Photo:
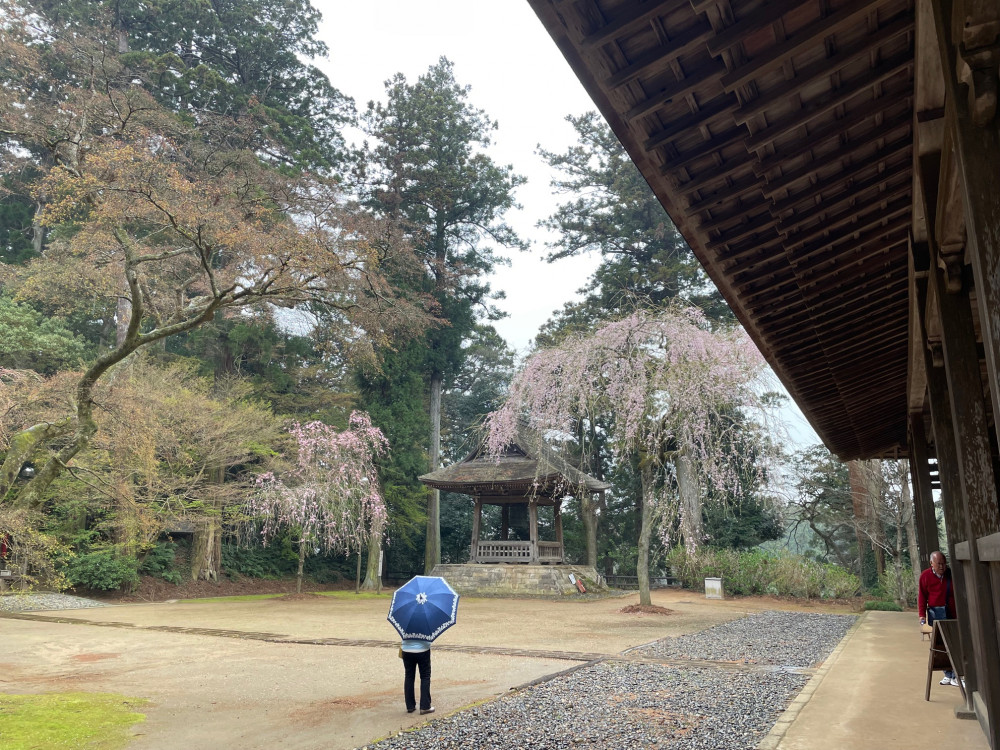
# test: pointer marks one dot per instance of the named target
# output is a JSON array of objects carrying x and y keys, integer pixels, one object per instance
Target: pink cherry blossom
[{"x": 332, "y": 496}]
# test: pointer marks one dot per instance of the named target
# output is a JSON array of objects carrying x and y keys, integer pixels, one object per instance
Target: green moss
[
  {"x": 97, "y": 721},
  {"x": 883, "y": 607}
]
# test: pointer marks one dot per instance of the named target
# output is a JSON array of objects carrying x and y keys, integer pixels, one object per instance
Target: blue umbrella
[{"x": 423, "y": 608}]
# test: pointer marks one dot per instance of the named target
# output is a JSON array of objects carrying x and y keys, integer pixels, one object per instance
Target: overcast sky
[{"x": 520, "y": 79}]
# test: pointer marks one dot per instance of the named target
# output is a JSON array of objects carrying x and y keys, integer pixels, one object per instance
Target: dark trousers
[{"x": 411, "y": 661}]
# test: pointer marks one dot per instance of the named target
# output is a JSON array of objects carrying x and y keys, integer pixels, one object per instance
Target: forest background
[{"x": 360, "y": 244}]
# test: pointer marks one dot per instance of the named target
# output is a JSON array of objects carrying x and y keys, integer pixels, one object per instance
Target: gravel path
[
  {"x": 789, "y": 639},
  {"x": 630, "y": 705},
  {"x": 44, "y": 602}
]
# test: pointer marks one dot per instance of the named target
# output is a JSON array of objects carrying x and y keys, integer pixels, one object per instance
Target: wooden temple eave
[{"x": 779, "y": 137}]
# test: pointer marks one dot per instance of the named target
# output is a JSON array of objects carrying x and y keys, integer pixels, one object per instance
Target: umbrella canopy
[{"x": 423, "y": 608}]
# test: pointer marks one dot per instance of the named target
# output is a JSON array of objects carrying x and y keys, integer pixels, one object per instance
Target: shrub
[
  {"x": 839, "y": 583},
  {"x": 271, "y": 562},
  {"x": 758, "y": 572},
  {"x": 883, "y": 606},
  {"x": 898, "y": 588},
  {"x": 103, "y": 569},
  {"x": 160, "y": 561}
]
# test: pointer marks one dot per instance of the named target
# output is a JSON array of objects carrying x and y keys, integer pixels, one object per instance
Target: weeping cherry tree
[
  {"x": 669, "y": 388},
  {"x": 331, "y": 498}
]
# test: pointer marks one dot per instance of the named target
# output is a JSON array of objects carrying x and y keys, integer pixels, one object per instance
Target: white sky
[{"x": 519, "y": 78}]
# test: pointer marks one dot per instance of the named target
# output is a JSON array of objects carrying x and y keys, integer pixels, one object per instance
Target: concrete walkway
[{"x": 870, "y": 694}]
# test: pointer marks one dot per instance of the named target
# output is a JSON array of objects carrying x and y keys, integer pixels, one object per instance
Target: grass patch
[
  {"x": 97, "y": 721},
  {"x": 883, "y": 607},
  {"x": 351, "y": 595}
]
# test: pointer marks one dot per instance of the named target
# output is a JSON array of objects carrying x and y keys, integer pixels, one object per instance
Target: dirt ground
[{"x": 209, "y": 687}]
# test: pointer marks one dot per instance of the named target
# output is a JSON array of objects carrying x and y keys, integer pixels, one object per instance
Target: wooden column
[
  {"x": 926, "y": 519},
  {"x": 976, "y": 151},
  {"x": 477, "y": 519},
  {"x": 975, "y": 471},
  {"x": 947, "y": 459},
  {"x": 954, "y": 514},
  {"x": 504, "y": 522},
  {"x": 557, "y": 515},
  {"x": 533, "y": 529}
]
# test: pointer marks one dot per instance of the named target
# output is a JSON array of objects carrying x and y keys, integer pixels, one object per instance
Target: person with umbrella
[{"x": 421, "y": 609}]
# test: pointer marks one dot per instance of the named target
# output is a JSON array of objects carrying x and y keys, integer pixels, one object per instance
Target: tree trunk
[
  {"x": 854, "y": 472},
  {"x": 875, "y": 489},
  {"x": 123, "y": 319},
  {"x": 206, "y": 548},
  {"x": 371, "y": 569},
  {"x": 37, "y": 230},
  {"x": 645, "y": 531},
  {"x": 588, "y": 515},
  {"x": 692, "y": 528},
  {"x": 206, "y": 558},
  {"x": 432, "y": 545},
  {"x": 22, "y": 449},
  {"x": 302, "y": 565},
  {"x": 911, "y": 523}
]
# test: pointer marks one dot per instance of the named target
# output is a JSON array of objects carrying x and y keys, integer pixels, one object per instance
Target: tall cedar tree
[
  {"x": 612, "y": 211},
  {"x": 426, "y": 167}
]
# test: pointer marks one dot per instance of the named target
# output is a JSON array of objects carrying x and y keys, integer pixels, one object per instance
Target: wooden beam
[
  {"x": 853, "y": 265},
  {"x": 637, "y": 16},
  {"x": 738, "y": 189},
  {"x": 676, "y": 90},
  {"x": 896, "y": 198},
  {"x": 709, "y": 176},
  {"x": 977, "y": 156},
  {"x": 952, "y": 501},
  {"x": 844, "y": 93},
  {"x": 846, "y": 319},
  {"x": 807, "y": 37},
  {"x": 843, "y": 247},
  {"x": 928, "y": 539},
  {"x": 824, "y": 68},
  {"x": 880, "y": 157},
  {"x": 838, "y": 129},
  {"x": 975, "y": 470},
  {"x": 840, "y": 324},
  {"x": 660, "y": 57},
  {"x": 714, "y": 144},
  {"x": 839, "y": 228},
  {"x": 706, "y": 114},
  {"x": 756, "y": 225},
  {"x": 761, "y": 17},
  {"x": 718, "y": 223}
]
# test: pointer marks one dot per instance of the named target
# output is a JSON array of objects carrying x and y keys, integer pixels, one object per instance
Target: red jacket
[{"x": 933, "y": 590}]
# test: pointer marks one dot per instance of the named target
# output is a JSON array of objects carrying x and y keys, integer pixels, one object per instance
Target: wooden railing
[
  {"x": 518, "y": 552},
  {"x": 501, "y": 552},
  {"x": 549, "y": 552}
]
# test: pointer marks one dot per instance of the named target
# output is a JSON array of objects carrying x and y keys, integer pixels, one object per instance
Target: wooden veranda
[
  {"x": 835, "y": 165},
  {"x": 526, "y": 476}
]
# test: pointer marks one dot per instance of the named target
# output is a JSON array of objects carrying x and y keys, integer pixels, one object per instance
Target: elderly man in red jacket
[{"x": 936, "y": 599}]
